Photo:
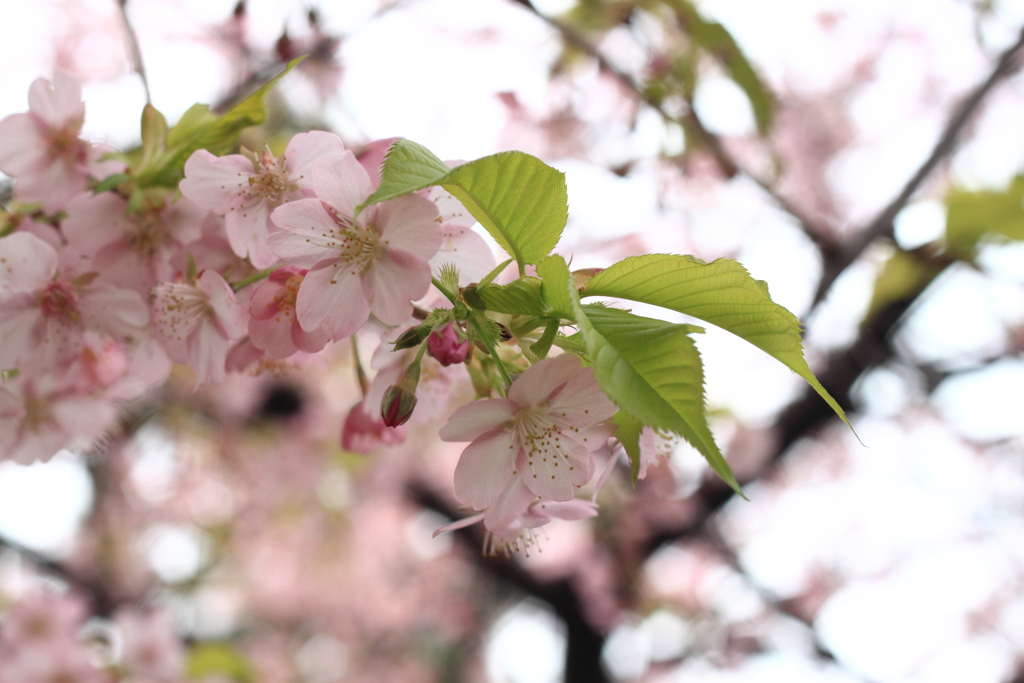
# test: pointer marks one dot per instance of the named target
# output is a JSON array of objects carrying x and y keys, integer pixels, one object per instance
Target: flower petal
[
  {"x": 342, "y": 183},
  {"x": 308, "y": 233},
  {"x": 333, "y": 295},
  {"x": 536, "y": 385},
  {"x": 484, "y": 469},
  {"x": 513, "y": 502},
  {"x": 304, "y": 149},
  {"x": 477, "y": 418},
  {"x": 392, "y": 283},
  {"x": 408, "y": 223}
]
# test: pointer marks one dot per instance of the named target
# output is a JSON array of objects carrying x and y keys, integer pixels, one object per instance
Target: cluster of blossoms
[
  {"x": 253, "y": 260},
  {"x": 46, "y": 638}
]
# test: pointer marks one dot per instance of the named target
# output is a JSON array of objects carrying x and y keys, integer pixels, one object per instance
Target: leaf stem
[{"x": 494, "y": 355}]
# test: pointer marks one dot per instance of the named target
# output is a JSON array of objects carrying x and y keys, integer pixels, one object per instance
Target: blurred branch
[
  {"x": 584, "y": 644},
  {"x": 882, "y": 226},
  {"x": 728, "y": 164},
  {"x": 133, "y": 46},
  {"x": 98, "y": 596}
]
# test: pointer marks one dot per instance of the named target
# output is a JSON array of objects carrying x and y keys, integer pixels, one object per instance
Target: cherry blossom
[
  {"x": 41, "y": 148},
  {"x": 246, "y": 190},
  {"x": 542, "y": 435},
  {"x": 364, "y": 431},
  {"x": 376, "y": 263},
  {"x": 273, "y": 327},
  {"x": 198, "y": 321},
  {"x": 43, "y": 316}
]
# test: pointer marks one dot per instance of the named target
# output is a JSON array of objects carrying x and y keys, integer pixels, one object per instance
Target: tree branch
[
  {"x": 728, "y": 164},
  {"x": 882, "y": 226}
]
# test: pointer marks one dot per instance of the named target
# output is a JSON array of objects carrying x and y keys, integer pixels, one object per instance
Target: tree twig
[
  {"x": 882, "y": 226},
  {"x": 727, "y": 164},
  {"x": 133, "y": 45}
]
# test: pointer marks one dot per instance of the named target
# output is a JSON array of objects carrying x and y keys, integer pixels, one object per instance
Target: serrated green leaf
[
  {"x": 651, "y": 369},
  {"x": 972, "y": 215},
  {"x": 520, "y": 200},
  {"x": 519, "y": 297},
  {"x": 628, "y": 434},
  {"x": 555, "y": 278},
  {"x": 408, "y": 166},
  {"x": 722, "y": 293},
  {"x": 220, "y": 660}
]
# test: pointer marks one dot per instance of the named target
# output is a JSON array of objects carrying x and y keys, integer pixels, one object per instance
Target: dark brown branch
[
  {"x": 583, "y": 642},
  {"x": 882, "y": 226}
]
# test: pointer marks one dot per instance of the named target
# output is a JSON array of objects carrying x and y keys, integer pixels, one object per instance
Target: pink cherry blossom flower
[
  {"x": 39, "y": 417},
  {"x": 521, "y": 533},
  {"x": 374, "y": 263},
  {"x": 44, "y": 316},
  {"x": 198, "y": 322},
  {"x": 460, "y": 246},
  {"x": 134, "y": 250},
  {"x": 41, "y": 148},
  {"x": 152, "y": 649},
  {"x": 542, "y": 435},
  {"x": 274, "y": 327},
  {"x": 246, "y": 190}
]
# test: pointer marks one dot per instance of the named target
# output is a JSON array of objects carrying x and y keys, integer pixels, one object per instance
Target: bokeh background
[{"x": 860, "y": 157}]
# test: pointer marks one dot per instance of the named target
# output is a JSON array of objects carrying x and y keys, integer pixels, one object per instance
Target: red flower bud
[
  {"x": 446, "y": 346},
  {"x": 397, "y": 406},
  {"x": 363, "y": 432}
]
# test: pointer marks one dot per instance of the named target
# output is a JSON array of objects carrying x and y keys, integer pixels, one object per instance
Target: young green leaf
[
  {"x": 972, "y": 215},
  {"x": 722, "y": 293},
  {"x": 518, "y": 198},
  {"x": 199, "y": 128},
  {"x": 541, "y": 347},
  {"x": 522, "y": 297},
  {"x": 555, "y": 278},
  {"x": 651, "y": 369}
]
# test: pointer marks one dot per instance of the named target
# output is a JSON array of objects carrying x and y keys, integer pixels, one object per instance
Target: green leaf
[
  {"x": 628, "y": 434},
  {"x": 652, "y": 370},
  {"x": 521, "y": 297},
  {"x": 972, "y": 215},
  {"x": 555, "y": 278},
  {"x": 154, "y": 133},
  {"x": 199, "y": 128},
  {"x": 722, "y": 293},
  {"x": 407, "y": 167},
  {"x": 518, "y": 198},
  {"x": 110, "y": 182},
  {"x": 209, "y": 660}
]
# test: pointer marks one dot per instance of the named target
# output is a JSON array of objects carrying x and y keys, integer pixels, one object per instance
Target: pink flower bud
[
  {"x": 363, "y": 432},
  {"x": 446, "y": 346},
  {"x": 397, "y": 406}
]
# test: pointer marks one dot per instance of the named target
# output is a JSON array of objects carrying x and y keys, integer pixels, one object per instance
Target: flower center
[
  {"x": 284, "y": 299},
  {"x": 63, "y": 143},
  {"x": 149, "y": 234},
  {"x": 60, "y": 301},
  {"x": 541, "y": 439},
  {"x": 270, "y": 181},
  {"x": 37, "y": 415},
  {"x": 359, "y": 246}
]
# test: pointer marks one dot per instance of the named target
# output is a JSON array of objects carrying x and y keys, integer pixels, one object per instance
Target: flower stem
[
  {"x": 444, "y": 290},
  {"x": 494, "y": 355},
  {"x": 364, "y": 384},
  {"x": 255, "y": 277}
]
